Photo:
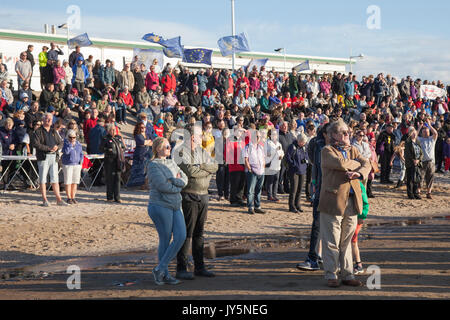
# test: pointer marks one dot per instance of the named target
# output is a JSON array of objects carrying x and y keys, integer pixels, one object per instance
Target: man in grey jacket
[{"x": 199, "y": 167}]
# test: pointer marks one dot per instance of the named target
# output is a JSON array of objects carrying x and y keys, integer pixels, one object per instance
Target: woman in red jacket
[
  {"x": 169, "y": 81},
  {"x": 152, "y": 80}
]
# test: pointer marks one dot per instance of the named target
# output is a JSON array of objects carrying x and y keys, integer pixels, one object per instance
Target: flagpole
[
  {"x": 68, "y": 38},
  {"x": 233, "y": 30}
]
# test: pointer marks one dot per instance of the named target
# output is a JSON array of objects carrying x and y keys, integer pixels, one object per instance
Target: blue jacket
[
  {"x": 297, "y": 159},
  {"x": 150, "y": 131},
  {"x": 6, "y": 139},
  {"x": 72, "y": 155},
  {"x": 96, "y": 135},
  {"x": 74, "y": 70},
  {"x": 349, "y": 88},
  {"x": 108, "y": 75}
]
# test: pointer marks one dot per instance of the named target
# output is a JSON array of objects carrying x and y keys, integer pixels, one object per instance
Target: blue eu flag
[
  {"x": 197, "y": 56},
  {"x": 82, "y": 41},
  {"x": 230, "y": 44}
]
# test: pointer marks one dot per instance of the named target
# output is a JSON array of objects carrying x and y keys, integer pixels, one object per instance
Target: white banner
[
  {"x": 431, "y": 92},
  {"x": 303, "y": 66}
]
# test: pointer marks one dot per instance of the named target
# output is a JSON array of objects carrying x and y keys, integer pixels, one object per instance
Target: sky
[{"x": 413, "y": 38}]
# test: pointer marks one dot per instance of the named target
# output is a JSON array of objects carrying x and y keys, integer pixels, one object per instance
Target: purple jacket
[{"x": 72, "y": 155}]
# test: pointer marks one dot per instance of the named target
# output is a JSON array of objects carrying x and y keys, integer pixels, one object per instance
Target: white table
[{"x": 22, "y": 160}]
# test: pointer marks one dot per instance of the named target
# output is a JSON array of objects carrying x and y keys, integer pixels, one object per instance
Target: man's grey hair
[
  {"x": 71, "y": 133},
  {"x": 302, "y": 138},
  {"x": 48, "y": 114},
  {"x": 335, "y": 126}
]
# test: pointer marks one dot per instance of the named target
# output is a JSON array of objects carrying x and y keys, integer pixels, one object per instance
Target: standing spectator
[
  {"x": 413, "y": 159},
  {"x": 297, "y": 159},
  {"x": 340, "y": 203},
  {"x": 74, "y": 56},
  {"x": 23, "y": 69},
  {"x": 221, "y": 134},
  {"x": 164, "y": 208},
  {"x": 138, "y": 176},
  {"x": 286, "y": 140},
  {"x": 315, "y": 145},
  {"x": 447, "y": 154},
  {"x": 199, "y": 167},
  {"x": 152, "y": 80},
  {"x": 234, "y": 158},
  {"x": 108, "y": 77},
  {"x": 80, "y": 74},
  {"x": 386, "y": 142},
  {"x": 47, "y": 142},
  {"x": 72, "y": 159},
  {"x": 428, "y": 144},
  {"x": 169, "y": 81},
  {"x": 255, "y": 164},
  {"x": 112, "y": 147},
  {"x": 31, "y": 59},
  {"x": 126, "y": 78},
  {"x": 52, "y": 55},
  {"x": 275, "y": 150},
  {"x": 42, "y": 65}
]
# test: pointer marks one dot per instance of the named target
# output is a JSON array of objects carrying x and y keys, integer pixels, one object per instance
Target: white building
[{"x": 12, "y": 42}]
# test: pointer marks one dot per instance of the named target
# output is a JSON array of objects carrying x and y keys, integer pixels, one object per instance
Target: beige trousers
[{"x": 336, "y": 233}]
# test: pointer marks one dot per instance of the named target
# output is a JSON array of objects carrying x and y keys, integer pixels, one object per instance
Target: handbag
[{"x": 375, "y": 167}]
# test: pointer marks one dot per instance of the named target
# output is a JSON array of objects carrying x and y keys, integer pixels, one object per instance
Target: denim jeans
[
  {"x": 121, "y": 114},
  {"x": 168, "y": 222},
  {"x": 254, "y": 188}
]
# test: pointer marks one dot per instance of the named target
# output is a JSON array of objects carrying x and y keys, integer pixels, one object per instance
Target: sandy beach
[{"x": 31, "y": 234}]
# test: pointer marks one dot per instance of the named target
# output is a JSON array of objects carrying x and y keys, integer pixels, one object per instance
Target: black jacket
[
  {"x": 195, "y": 100},
  {"x": 38, "y": 142},
  {"x": 109, "y": 146}
]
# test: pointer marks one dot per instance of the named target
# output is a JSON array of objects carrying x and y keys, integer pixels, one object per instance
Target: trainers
[
  {"x": 320, "y": 260},
  {"x": 184, "y": 275},
  {"x": 62, "y": 204},
  {"x": 158, "y": 276},
  {"x": 308, "y": 265},
  {"x": 45, "y": 204},
  {"x": 168, "y": 279},
  {"x": 69, "y": 201},
  {"x": 74, "y": 201},
  {"x": 259, "y": 211},
  {"x": 358, "y": 269},
  {"x": 204, "y": 273}
]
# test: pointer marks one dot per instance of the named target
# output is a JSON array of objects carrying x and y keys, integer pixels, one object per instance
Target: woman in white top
[{"x": 274, "y": 157}]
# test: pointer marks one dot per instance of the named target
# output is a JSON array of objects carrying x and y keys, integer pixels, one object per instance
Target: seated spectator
[
  {"x": 159, "y": 128},
  {"x": 120, "y": 111}
]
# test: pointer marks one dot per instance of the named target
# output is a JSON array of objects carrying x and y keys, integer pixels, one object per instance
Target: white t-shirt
[{"x": 427, "y": 145}]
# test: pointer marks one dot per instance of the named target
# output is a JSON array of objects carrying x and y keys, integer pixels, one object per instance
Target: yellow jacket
[{"x": 43, "y": 59}]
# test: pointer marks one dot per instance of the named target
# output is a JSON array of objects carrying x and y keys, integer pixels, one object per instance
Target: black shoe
[
  {"x": 235, "y": 205},
  {"x": 418, "y": 197},
  {"x": 184, "y": 275},
  {"x": 370, "y": 196},
  {"x": 390, "y": 182},
  {"x": 204, "y": 273},
  {"x": 299, "y": 210},
  {"x": 439, "y": 171},
  {"x": 293, "y": 210},
  {"x": 399, "y": 184},
  {"x": 251, "y": 211},
  {"x": 260, "y": 211},
  {"x": 411, "y": 197}
]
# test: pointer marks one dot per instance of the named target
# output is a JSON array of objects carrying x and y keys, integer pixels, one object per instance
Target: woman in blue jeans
[{"x": 166, "y": 180}]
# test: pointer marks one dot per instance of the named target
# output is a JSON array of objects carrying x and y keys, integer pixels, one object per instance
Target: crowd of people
[{"x": 257, "y": 131}]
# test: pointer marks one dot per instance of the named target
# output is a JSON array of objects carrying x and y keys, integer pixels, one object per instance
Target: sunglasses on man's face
[{"x": 72, "y": 137}]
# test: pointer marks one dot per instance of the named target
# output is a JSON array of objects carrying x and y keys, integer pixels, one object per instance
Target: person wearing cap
[
  {"x": 80, "y": 74},
  {"x": 72, "y": 159},
  {"x": 23, "y": 103},
  {"x": 159, "y": 128}
]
